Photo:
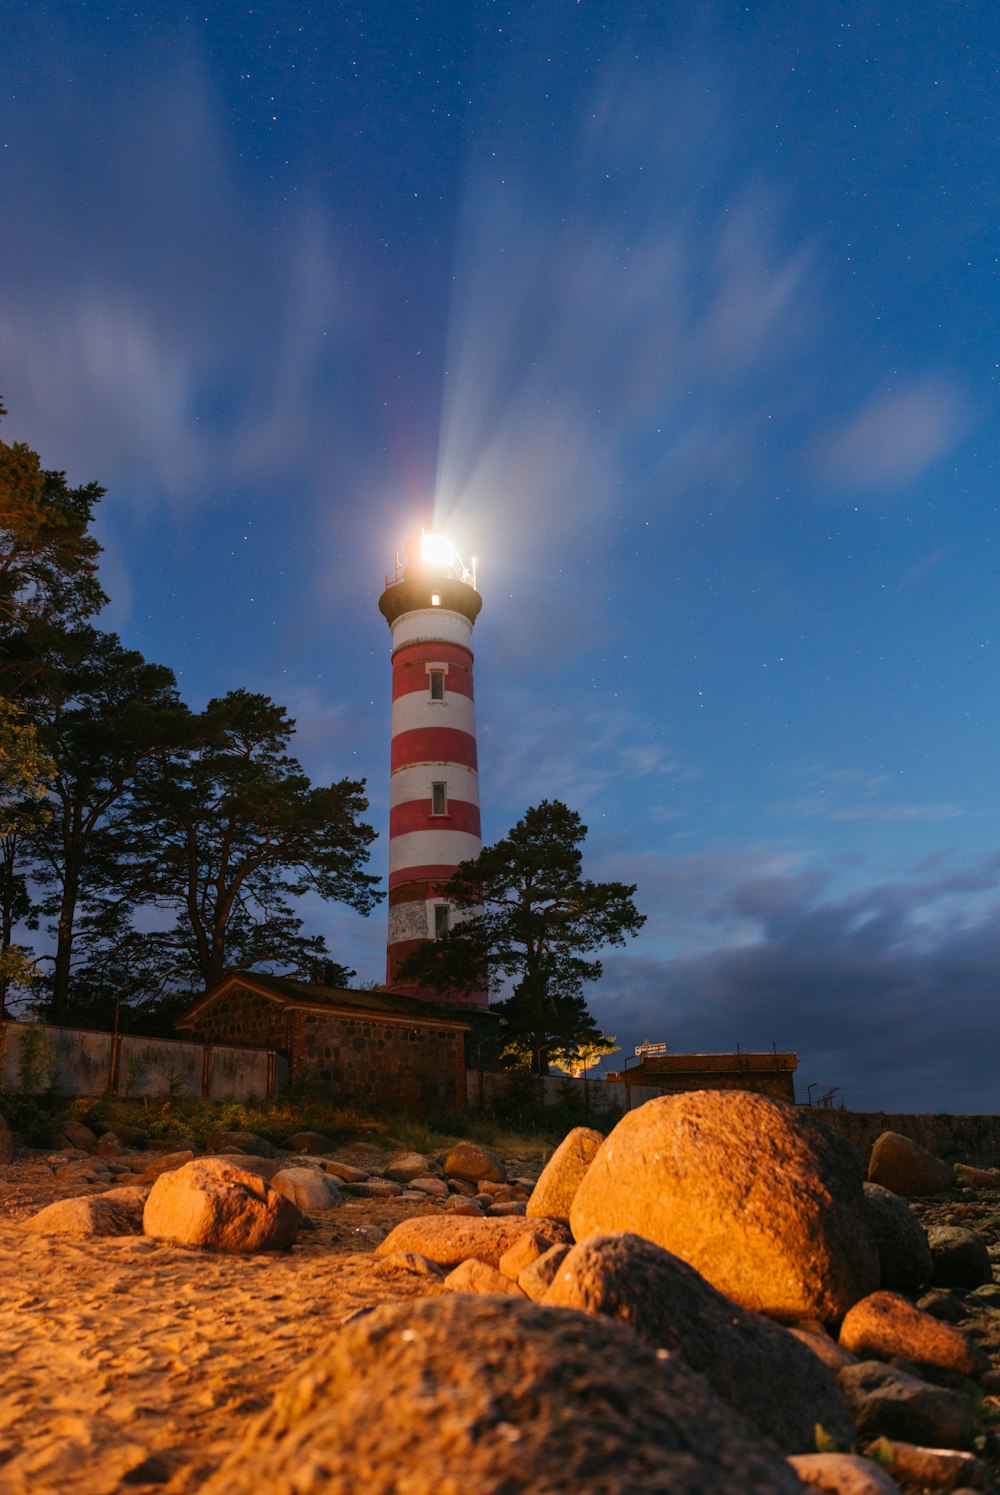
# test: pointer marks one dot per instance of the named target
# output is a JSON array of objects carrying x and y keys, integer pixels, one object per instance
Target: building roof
[
  {"x": 303, "y": 994},
  {"x": 738, "y": 1063}
]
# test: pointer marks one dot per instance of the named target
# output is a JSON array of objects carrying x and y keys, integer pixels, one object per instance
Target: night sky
[{"x": 681, "y": 319}]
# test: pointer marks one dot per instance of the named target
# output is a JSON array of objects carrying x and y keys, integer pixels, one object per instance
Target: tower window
[
  {"x": 440, "y": 920},
  {"x": 439, "y": 799},
  {"x": 436, "y": 678}
]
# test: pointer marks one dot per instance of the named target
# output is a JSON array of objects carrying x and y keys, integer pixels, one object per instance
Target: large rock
[
  {"x": 961, "y": 1257},
  {"x": 470, "y": 1161},
  {"x": 78, "y": 1133},
  {"x": 449, "y": 1239},
  {"x": 886, "y": 1402},
  {"x": 905, "y": 1167},
  {"x": 755, "y": 1365},
  {"x": 491, "y": 1395},
  {"x": 86, "y": 1215},
  {"x": 904, "y": 1256},
  {"x": 885, "y": 1325},
  {"x": 213, "y": 1204},
  {"x": 758, "y": 1196},
  {"x": 553, "y": 1195}
]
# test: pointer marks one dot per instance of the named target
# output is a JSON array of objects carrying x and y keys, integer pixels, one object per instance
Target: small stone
[
  {"x": 886, "y": 1402},
  {"x": 372, "y": 1188},
  {"x": 885, "y": 1324},
  {"x": 240, "y": 1142},
  {"x": 456, "y": 1205},
  {"x": 345, "y": 1171},
  {"x": 410, "y": 1261},
  {"x": 842, "y": 1474},
  {"x": 477, "y": 1277},
  {"x": 961, "y": 1257},
  {"x": 471, "y": 1162},
  {"x": 165, "y": 1163},
  {"x": 509, "y": 1207},
  {"x": 813, "y": 1335},
  {"x": 107, "y": 1146},
  {"x": 938, "y": 1468},
  {"x": 448, "y": 1239},
  {"x": 309, "y": 1188},
  {"x": 529, "y": 1247},
  {"x": 943, "y": 1305},
  {"x": 976, "y": 1178},
  {"x": 311, "y": 1142},
  {"x": 427, "y": 1184},
  {"x": 462, "y": 1186},
  {"x": 89, "y": 1215},
  {"x": 536, "y": 1279}
]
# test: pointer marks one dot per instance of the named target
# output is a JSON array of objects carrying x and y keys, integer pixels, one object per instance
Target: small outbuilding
[
  {"x": 770, "y": 1074},
  {"x": 366, "y": 1046}
]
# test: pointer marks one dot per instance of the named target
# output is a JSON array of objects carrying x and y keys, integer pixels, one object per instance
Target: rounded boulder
[
  {"x": 760, "y": 1198},
  {"x": 211, "y": 1203}
]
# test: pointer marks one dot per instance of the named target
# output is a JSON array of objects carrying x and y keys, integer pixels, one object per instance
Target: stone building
[{"x": 366, "y": 1046}]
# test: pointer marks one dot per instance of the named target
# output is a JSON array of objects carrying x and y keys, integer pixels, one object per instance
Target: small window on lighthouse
[
  {"x": 440, "y": 920},
  {"x": 439, "y": 799},
  {"x": 436, "y": 678}
]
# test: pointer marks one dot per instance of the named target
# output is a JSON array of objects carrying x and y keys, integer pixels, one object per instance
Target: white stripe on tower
[{"x": 431, "y": 607}]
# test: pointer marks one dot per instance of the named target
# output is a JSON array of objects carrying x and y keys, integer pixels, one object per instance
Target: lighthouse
[{"x": 431, "y": 604}]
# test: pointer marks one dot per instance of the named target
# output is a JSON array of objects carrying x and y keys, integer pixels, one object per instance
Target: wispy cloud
[
  {"x": 854, "y": 795},
  {"x": 895, "y": 436}
]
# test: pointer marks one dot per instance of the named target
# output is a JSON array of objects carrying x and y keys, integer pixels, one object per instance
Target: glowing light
[
  {"x": 435, "y": 600},
  {"x": 438, "y": 552}
]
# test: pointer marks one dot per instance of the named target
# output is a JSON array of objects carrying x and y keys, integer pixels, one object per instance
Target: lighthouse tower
[{"x": 430, "y": 604}]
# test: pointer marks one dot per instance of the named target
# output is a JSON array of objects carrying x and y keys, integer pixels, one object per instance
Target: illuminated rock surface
[{"x": 211, "y": 1203}]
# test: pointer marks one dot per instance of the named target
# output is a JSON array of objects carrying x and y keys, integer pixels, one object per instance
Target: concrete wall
[
  {"x": 956, "y": 1139},
  {"x": 485, "y": 1087},
  {"x": 78, "y": 1062}
]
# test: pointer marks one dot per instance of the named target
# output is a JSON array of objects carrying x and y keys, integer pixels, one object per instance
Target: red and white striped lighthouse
[{"x": 431, "y": 605}]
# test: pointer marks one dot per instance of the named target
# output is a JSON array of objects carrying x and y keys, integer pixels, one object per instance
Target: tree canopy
[
  {"x": 527, "y": 916},
  {"x": 228, "y": 833}
]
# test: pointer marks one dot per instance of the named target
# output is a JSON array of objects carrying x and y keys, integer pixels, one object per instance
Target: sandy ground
[{"x": 130, "y": 1365}]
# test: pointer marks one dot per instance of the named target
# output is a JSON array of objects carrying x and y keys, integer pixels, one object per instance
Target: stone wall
[
  {"x": 243, "y": 1016},
  {"x": 370, "y": 1059}
]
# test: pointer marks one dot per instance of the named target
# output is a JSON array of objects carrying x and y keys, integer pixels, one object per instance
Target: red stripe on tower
[{"x": 431, "y": 605}]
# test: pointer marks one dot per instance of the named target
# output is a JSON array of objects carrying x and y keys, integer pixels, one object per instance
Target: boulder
[
  {"x": 814, "y": 1336},
  {"x": 239, "y": 1142},
  {"x": 448, "y": 1239},
  {"x": 890, "y": 1403},
  {"x": 130, "y": 1198},
  {"x": 407, "y": 1166},
  {"x": 78, "y": 1133},
  {"x": 553, "y": 1195},
  {"x": 933, "y": 1468},
  {"x": 842, "y": 1474},
  {"x": 108, "y": 1145},
  {"x": 166, "y": 1163},
  {"x": 758, "y": 1196},
  {"x": 213, "y": 1204},
  {"x": 494, "y": 1396},
  {"x": 905, "y": 1167},
  {"x": 469, "y": 1161},
  {"x": 904, "y": 1256},
  {"x": 754, "y": 1365},
  {"x": 314, "y": 1142},
  {"x": 86, "y": 1215},
  {"x": 961, "y": 1257},
  {"x": 476, "y": 1277},
  {"x": 309, "y": 1188},
  {"x": 885, "y": 1325},
  {"x": 6, "y": 1142}
]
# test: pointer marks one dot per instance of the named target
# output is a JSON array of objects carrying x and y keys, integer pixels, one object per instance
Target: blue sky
[{"x": 682, "y": 320}]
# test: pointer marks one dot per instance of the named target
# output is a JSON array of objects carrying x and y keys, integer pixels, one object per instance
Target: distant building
[
  {"x": 766, "y": 1074},
  {"x": 366, "y": 1046}
]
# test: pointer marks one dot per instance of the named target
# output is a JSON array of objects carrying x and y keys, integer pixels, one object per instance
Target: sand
[{"x": 126, "y": 1364}]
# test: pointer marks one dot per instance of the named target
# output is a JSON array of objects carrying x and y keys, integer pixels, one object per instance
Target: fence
[{"x": 79, "y": 1062}]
